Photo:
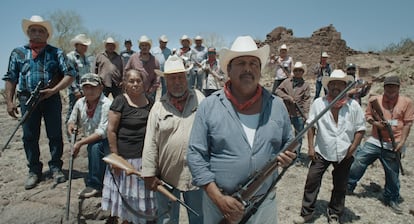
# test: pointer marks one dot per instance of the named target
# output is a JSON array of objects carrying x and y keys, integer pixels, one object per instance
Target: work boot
[
  {"x": 58, "y": 176},
  {"x": 302, "y": 219},
  {"x": 31, "y": 181},
  {"x": 395, "y": 207}
]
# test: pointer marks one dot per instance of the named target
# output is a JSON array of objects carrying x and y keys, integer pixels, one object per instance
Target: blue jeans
[
  {"x": 96, "y": 151},
  {"x": 298, "y": 124},
  {"x": 318, "y": 89},
  {"x": 195, "y": 79},
  {"x": 51, "y": 111},
  {"x": 364, "y": 157},
  {"x": 191, "y": 198}
]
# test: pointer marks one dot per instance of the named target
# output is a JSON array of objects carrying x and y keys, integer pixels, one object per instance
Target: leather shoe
[
  {"x": 31, "y": 181},
  {"x": 395, "y": 207},
  {"x": 302, "y": 219},
  {"x": 58, "y": 176}
]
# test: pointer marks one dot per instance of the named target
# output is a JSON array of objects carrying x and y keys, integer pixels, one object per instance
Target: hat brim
[
  {"x": 226, "y": 55},
  {"x": 163, "y": 74},
  {"x": 327, "y": 79},
  {"x": 90, "y": 83},
  {"x": 74, "y": 42},
  {"x": 27, "y": 23}
]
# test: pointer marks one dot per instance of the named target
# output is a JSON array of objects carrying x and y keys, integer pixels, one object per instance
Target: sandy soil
[{"x": 45, "y": 204}]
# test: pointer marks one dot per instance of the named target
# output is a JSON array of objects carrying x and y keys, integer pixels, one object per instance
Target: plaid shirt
[
  {"x": 81, "y": 66},
  {"x": 27, "y": 72}
]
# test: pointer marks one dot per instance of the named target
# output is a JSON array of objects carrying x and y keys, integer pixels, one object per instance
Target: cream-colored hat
[
  {"x": 185, "y": 37},
  {"x": 163, "y": 38},
  {"x": 174, "y": 64},
  {"x": 336, "y": 74},
  {"x": 81, "y": 39},
  {"x": 325, "y": 55},
  {"x": 144, "y": 39},
  {"x": 111, "y": 40},
  {"x": 299, "y": 65},
  {"x": 198, "y": 37},
  {"x": 37, "y": 20},
  {"x": 283, "y": 47},
  {"x": 243, "y": 46}
]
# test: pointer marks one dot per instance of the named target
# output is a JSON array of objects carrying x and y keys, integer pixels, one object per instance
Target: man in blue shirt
[
  {"x": 235, "y": 132},
  {"x": 39, "y": 62}
]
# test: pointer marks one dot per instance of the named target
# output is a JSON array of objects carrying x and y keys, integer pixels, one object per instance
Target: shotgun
[
  {"x": 248, "y": 190},
  {"x": 380, "y": 117},
  {"x": 72, "y": 144}
]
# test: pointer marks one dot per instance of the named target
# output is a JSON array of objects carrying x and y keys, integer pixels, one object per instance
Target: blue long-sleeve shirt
[{"x": 219, "y": 150}]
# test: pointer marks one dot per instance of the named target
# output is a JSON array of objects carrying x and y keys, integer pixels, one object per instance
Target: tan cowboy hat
[
  {"x": 144, "y": 39},
  {"x": 81, "y": 39},
  {"x": 111, "y": 40},
  {"x": 283, "y": 47},
  {"x": 336, "y": 74},
  {"x": 300, "y": 65},
  {"x": 325, "y": 55},
  {"x": 198, "y": 37},
  {"x": 185, "y": 37},
  {"x": 243, "y": 46},
  {"x": 174, "y": 64},
  {"x": 37, "y": 20},
  {"x": 163, "y": 38}
]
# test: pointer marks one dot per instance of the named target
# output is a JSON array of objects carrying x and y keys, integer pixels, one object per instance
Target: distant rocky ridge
[{"x": 308, "y": 49}]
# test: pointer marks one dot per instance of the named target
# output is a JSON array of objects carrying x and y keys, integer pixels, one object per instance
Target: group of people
[{"x": 205, "y": 148}]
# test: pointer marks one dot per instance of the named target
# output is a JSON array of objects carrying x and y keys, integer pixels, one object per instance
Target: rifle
[
  {"x": 302, "y": 114},
  {"x": 72, "y": 144},
  {"x": 121, "y": 163},
  {"x": 30, "y": 104},
  {"x": 248, "y": 190},
  {"x": 380, "y": 115}
]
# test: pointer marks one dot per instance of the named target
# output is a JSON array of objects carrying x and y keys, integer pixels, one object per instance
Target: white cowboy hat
[
  {"x": 198, "y": 37},
  {"x": 336, "y": 74},
  {"x": 283, "y": 47},
  {"x": 325, "y": 55},
  {"x": 81, "y": 39},
  {"x": 37, "y": 20},
  {"x": 111, "y": 40},
  {"x": 243, "y": 46},
  {"x": 163, "y": 38},
  {"x": 185, "y": 37},
  {"x": 144, "y": 39},
  {"x": 174, "y": 64},
  {"x": 300, "y": 65}
]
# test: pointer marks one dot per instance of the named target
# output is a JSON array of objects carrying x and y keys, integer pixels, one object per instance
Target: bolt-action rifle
[{"x": 247, "y": 191}]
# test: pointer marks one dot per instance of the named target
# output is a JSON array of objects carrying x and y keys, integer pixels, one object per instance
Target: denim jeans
[
  {"x": 195, "y": 79},
  {"x": 340, "y": 175},
  {"x": 298, "y": 123},
  {"x": 364, "y": 157},
  {"x": 51, "y": 111},
  {"x": 318, "y": 89},
  {"x": 96, "y": 151},
  {"x": 191, "y": 198}
]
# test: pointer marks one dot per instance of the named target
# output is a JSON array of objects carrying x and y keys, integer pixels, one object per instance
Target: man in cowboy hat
[
  {"x": 284, "y": 65},
  {"x": 198, "y": 54},
  {"x": 295, "y": 93},
  {"x": 220, "y": 160},
  {"x": 165, "y": 147},
  {"x": 29, "y": 65},
  {"x": 323, "y": 68},
  {"x": 185, "y": 52},
  {"x": 362, "y": 87},
  {"x": 161, "y": 53},
  {"x": 338, "y": 134},
  {"x": 109, "y": 66},
  {"x": 145, "y": 61},
  {"x": 78, "y": 60}
]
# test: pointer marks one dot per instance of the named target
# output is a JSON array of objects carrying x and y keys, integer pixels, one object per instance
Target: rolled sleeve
[{"x": 103, "y": 124}]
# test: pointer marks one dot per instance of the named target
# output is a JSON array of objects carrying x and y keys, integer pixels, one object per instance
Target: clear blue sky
[{"x": 364, "y": 24}]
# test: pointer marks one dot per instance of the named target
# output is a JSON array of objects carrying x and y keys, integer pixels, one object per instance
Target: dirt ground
[{"x": 46, "y": 203}]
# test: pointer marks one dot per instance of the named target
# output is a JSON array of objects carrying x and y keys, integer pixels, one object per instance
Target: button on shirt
[{"x": 333, "y": 140}]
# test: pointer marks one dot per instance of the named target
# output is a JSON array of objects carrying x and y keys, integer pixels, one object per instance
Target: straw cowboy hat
[
  {"x": 174, "y": 64},
  {"x": 337, "y": 74},
  {"x": 111, "y": 40},
  {"x": 37, "y": 20},
  {"x": 185, "y": 37},
  {"x": 243, "y": 46},
  {"x": 144, "y": 39},
  {"x": 299, "y": 65},
  {"x": 198, "y": 37},
  {"x": 283, "y": 47},
  {"x": 81, "y": 39},
  {"x": 325, "y": 55},
  {"x": 163, "y": 38}
]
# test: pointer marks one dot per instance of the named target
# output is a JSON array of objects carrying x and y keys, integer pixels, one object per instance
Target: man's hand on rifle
[
  {"x": 12, "y": 109},
  {"x": 284, "y": 159},
  {"x": 46, "y": 93},
  {"x": 152, "y": 183},
  {"x": 231, "y": 208}
]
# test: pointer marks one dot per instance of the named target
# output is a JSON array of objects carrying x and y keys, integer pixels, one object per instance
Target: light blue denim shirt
[{"x": 219, "y": 150}]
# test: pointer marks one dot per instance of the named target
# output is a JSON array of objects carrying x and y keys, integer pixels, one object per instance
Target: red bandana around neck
[
  {"x": 338, "y": 103},
  {"x": 242, "y": 106},
  {"x": 36, "y": 48},
  {"x": 179, "y": 102}
]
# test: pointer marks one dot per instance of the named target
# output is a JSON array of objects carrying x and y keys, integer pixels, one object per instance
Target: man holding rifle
[
  {"x": 398, "y": 114},
  {"x": 236, "y": 131},
  {"x": 337, "y": 135},
  {"x": 39, "y": 62}
]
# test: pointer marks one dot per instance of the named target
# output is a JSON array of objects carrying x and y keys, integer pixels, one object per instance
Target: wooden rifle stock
[
  {"x": 252, "y": 186},
  {"x": 376, "y": 108}
]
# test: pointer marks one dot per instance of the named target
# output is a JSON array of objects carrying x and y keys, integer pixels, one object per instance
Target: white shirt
[
  {"x": 249, "y": 123},
  {"x": 333, "y": 139}
]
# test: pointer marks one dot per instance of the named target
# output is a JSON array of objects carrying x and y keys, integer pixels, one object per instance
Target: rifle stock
[
  {"x": 251, "y": 187},
  {"x": 380, "y": 116}
]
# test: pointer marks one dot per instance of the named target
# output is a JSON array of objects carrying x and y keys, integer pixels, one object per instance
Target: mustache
[{"x": 247, "y": 75}]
